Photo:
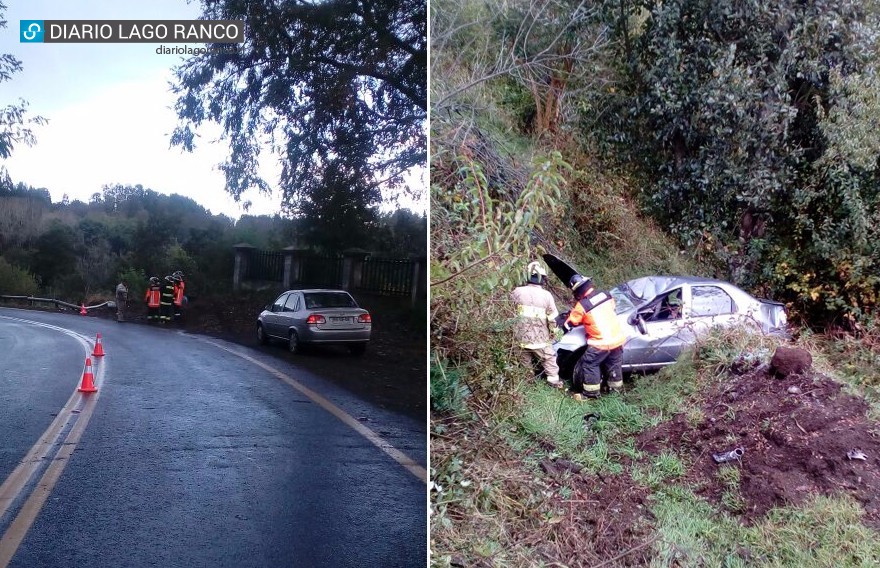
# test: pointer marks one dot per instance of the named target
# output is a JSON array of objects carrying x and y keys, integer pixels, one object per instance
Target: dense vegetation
[
  {"x": 747, "y": 127},
  {"x": 732, "y": 139},
  {"x": 336, "y": 90},
  {"x": 348, "y": 99},
  {"x": 72, "y": 250}
]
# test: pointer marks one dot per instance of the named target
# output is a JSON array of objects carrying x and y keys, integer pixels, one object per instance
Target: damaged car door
[{"x": 661, "y": 329}]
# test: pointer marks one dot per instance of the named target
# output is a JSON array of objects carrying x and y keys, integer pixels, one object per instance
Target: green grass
[
  {"x": 553, "y": 417},
  {"x": 602, "y": 446},
  {"x": 854, "y": 362},
  {"x": 666, "y": 393},
  {"x": 448, "y": 391},
  {"x": 660, "y": 470},
  {"x": 825, "y": 532},
  {"x": 729, "y": 477}
]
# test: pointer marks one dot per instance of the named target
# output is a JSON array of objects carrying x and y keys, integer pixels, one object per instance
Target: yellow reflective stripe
[
  {"x": 615, "y": 384},
  {"x": 591, "y": 388},
  {"x": 531, "y": 312}
]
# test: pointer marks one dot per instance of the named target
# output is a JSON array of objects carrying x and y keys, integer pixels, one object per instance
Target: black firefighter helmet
[{"x": 580, "y": 285}]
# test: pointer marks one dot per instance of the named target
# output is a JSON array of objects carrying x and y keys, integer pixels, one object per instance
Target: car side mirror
[
  {"x": 268, "y": 308},
  {"x": 639, "y": 322}
]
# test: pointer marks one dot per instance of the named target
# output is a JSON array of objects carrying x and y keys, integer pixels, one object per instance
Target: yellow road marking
[
  {"x": 346, "y": 418},
  {"x": 16, "y": 483}
]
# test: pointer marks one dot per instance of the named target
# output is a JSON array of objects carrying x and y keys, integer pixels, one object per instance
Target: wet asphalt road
[{"x": 194, "y": 456}]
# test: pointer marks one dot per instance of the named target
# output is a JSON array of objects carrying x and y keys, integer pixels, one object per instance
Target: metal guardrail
[{"x": 33, "y": 299}]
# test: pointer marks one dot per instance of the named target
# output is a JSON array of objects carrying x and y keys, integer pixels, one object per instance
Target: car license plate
[{"x": 339, "y": 319}]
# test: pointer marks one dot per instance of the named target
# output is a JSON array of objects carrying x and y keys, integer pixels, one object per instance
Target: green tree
[
  {"x": 401, "y": 233},
  {"x": 15, "y": 281},
  {"x": 316, "y": 80},
  {"x": 335, "y": 210},
  {"x": 55, "y": 258},
  {"x": 15, "y": 126},
  {"x": 731, "y": 110},
  {"x": 552, "y": 49}
]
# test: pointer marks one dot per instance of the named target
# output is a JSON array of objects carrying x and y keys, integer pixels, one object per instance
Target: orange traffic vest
[
  {"x": 152, "y": 296},
  {"x": 595, "y": 312},
  {"x": 178, "y": 293}
]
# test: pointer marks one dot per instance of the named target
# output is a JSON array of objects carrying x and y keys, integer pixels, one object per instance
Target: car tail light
[
  {"x": 365, "y": 318},
  {"x": 315, "y": 319}
]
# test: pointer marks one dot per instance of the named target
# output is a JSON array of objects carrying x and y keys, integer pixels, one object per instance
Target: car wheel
[
  {"x": 357, "y": 348},
  {"x": 261, "y": 335},
  {"x": 293, "y": 343}
]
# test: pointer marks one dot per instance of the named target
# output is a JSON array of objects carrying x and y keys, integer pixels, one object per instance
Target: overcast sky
[{"x": 110, "y": 111}]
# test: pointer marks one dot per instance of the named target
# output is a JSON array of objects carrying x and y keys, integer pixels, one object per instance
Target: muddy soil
[{"x": 800, "y": 436}]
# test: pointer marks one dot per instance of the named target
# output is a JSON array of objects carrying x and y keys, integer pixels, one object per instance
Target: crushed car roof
[{"x": 648, "y": 287}]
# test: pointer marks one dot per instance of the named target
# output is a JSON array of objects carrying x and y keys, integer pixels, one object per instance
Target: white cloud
[{"x": 121, "y": 135}]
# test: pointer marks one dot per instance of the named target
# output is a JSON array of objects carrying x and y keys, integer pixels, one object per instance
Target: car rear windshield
[{"x": 329, "y": 300}]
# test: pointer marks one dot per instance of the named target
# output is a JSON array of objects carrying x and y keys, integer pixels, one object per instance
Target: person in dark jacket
[{"x": 166, "y": 301}]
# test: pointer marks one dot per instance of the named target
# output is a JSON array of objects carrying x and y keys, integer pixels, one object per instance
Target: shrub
[
  {"x": 137, "y": 283},
  {"x": 448, "y": 392},
  {"x": 15, "y": 281}
]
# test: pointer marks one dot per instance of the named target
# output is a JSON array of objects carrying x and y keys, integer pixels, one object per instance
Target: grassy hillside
[{"x": 521, "y": 476}]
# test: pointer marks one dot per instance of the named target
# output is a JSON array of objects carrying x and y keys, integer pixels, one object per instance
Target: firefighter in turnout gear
[
  {"x": 166, "y": 301},
  {"x": 121, "y": 300},
  {"x": 179, "y": 286},
  {"x": 152, "y": 299},
  {"x": 536, "y": 318},
  {"x": 605, "y": 338}
]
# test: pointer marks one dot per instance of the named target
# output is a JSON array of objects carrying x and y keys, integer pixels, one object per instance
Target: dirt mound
[
  {"x": 604, "y": 519},
  {"x": 801, "y": 436}
]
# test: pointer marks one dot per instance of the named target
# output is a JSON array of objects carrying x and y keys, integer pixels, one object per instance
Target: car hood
[{"x": 562, "y": 269}]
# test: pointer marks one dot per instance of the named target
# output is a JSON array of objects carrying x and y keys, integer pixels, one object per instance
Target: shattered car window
[
  {"x": 711, "y": 301},
  {"x": 621, "y": 300}
]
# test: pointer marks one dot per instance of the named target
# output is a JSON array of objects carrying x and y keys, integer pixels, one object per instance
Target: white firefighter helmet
[{"x": 536, "y": 272}]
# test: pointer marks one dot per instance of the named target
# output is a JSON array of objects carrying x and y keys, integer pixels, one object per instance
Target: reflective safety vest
[
  {"x": 595, "y": 312},
  {"x": 152, "y": 296},
  {"x": 535, "y": 311},
  {"x": 167, "y": 293},
  {"x": 178, "y": 293}
]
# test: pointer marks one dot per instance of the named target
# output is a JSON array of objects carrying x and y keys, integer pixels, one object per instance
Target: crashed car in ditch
[{"x": 663, "y": 315}]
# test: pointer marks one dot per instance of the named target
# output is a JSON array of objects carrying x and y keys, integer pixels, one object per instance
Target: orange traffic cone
[
  {"x": 99, "y": 348},
  {"x": 82, "y": 310},
  {"x": 88, "y": 380}
]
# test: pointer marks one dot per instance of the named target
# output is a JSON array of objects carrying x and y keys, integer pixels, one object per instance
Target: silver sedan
[
  {"x": 663, "y": 315},
  {"x": 316, "y": 317}
]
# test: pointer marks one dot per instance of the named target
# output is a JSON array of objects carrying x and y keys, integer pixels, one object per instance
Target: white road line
[
  {"x": 78, "y": 408},
  {"x": 411, "y": 465}
]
